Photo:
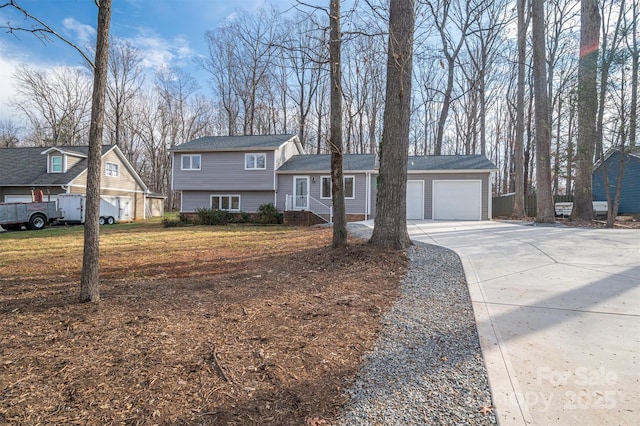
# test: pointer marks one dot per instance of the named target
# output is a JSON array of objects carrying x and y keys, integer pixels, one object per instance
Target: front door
[{"x": 301, "y": 192}]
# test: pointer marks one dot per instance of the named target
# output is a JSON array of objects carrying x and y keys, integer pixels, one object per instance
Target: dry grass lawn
[{"x": 197, "y": 325}]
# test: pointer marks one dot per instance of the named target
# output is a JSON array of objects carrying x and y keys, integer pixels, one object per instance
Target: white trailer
[
  {"x": 600, "y": 208},
  {"x": 112, "y": 208}
]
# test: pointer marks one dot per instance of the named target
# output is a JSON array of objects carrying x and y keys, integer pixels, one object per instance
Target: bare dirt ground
[{"x": 224, "y": 330}]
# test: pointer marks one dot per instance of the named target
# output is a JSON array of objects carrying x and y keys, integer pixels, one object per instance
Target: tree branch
[{"x": 41, "y": 32}]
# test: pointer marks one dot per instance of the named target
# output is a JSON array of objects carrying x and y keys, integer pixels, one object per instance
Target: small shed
[
  {"x": 630, "y": 192},
  {"x": 155, "y": 205}
]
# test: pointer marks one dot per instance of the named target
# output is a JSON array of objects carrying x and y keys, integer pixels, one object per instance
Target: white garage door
[
  {"x": 415, "y": 199},
  {"x": 457, "y": 199}
]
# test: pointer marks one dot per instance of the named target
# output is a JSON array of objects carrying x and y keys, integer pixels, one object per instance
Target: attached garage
[
  {"x": 449, "y": 187},
  {"x": 457, "y": 200}
]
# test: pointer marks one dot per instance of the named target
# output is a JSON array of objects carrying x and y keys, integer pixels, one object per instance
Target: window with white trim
[
  {"x": 255, "y": 161},
  {"x": 56, "y": 164},
  {"x": 349, "y": 187},
  {"x": 190, "y": 162},
  {"x": 111, "y": 169},
  {"x": 226, "y": 202}
]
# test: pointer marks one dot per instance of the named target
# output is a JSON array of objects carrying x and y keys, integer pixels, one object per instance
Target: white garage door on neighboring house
[
  {"x": 415, "y": 199},
  {"x": 457, "y": 199}
]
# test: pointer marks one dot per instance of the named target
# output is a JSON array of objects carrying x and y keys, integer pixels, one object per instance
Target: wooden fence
[{"x": 503, "y": 205}]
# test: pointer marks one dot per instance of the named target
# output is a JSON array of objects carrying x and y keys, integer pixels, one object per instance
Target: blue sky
[{"x": 167, "y": 32}]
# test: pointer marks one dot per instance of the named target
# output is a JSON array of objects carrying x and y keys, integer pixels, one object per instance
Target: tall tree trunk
[
  {"x": 518, "y": 204},
  {"x": 570, "y": 158},
  {"x": 90, "y": 280},
  {"x": 335, "y": 140},
  {"x": 635, "y": 56},
  {"x": 609, "y": 55},
  {"x": 556, "y": 157},
  {"x": 587, "y": 108},
  {"x": 390, "y": 227},
  {"x": 613, "y": 207},
  {"x": 545, "y": 210}
]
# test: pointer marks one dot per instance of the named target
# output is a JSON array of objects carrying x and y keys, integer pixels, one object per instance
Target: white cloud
[
  {"x": 158, "y": 52},
  {"x": 83, "y": 33},
  {"x": 7, "y": 69}
]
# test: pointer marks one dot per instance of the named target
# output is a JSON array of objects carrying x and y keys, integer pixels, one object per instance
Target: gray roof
[
  {"x": 28, "y": 167},
  {"x": 322, "y": 163},
  {"x": 365, "y": 162},
  {"x": 450, "y": 162},
  {"x": 230, "y": 143}
]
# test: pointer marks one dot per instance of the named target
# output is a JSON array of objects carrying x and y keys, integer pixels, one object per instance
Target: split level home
[
  {"x": 240, "y": 173},
  {"x": 63, "y": 170}
]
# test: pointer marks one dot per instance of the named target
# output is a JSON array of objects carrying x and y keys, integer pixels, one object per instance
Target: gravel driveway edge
[{"x": 427, "y": 366}]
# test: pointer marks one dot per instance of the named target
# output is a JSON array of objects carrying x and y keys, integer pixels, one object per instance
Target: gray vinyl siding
[
  {"x": 357, "y": 205},
  {"x": 223, "y": 171},
  {"x": 249, "y": 200},
  {"x": 283, "y": 153},
  {"x": 428, "y": 188}
]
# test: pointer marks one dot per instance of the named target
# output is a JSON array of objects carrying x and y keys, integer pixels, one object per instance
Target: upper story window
[
  {"x": 111, "y": 169},
  {"x": 349, "y": 187},
  {"x": 55, "y": 165},
  {"x": 190, "y": 161},
  {"x": 255, "y": 161}
]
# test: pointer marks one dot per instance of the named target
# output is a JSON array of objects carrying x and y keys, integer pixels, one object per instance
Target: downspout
[
  {"x": 489, "y": 196},
  {"x": 367, "y": 188},
  {"x": 275, "y": 182},
  {"x": 173, "y": 173}
]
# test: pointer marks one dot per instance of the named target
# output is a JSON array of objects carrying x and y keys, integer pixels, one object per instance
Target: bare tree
[
  {"x": 303, "y": 48},
  {"x": 56, "y": 103},
  {"x": 587, "y": 107},
  {"x": 256, "y": 37},
  {"x": 545, "y": 208},
  {"x": 622, "y": 137},
  {"x": 609, "y": 57},
  {"x": 634, "y": 51},
  {"x": 335, "y": 138},
  {"x": 523, "y": 23},
  {"x": 90, "y": 280},
  {"x": 8, "y": 134},
  {"x": 221, "y": 66},
  {"x": 390, "y": 227},
  {"x": 124, "y": 84},
  {"x": 452, "y": 19}
]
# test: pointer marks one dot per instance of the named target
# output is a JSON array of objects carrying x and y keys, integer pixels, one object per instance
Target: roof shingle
[
  {"x": 231, "y": 143},
  {"x": 369, "y": 162},
  {"x": 28, "y": 167}
]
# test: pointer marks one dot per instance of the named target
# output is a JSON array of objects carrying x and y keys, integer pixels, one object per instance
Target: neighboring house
[
  {"x": 630, "y": 192},
  {"x": 63, "y": 170},
  {"x": 239, "y": 173}
]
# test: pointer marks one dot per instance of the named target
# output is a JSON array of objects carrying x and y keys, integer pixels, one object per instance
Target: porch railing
[{"x": 303, "y": 202}]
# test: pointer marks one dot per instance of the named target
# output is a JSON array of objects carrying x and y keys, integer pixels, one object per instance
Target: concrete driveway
[{"x": 558, "y": 313}]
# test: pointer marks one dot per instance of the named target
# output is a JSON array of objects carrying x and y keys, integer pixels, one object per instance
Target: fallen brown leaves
[{"x": 197, "y": 326}]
